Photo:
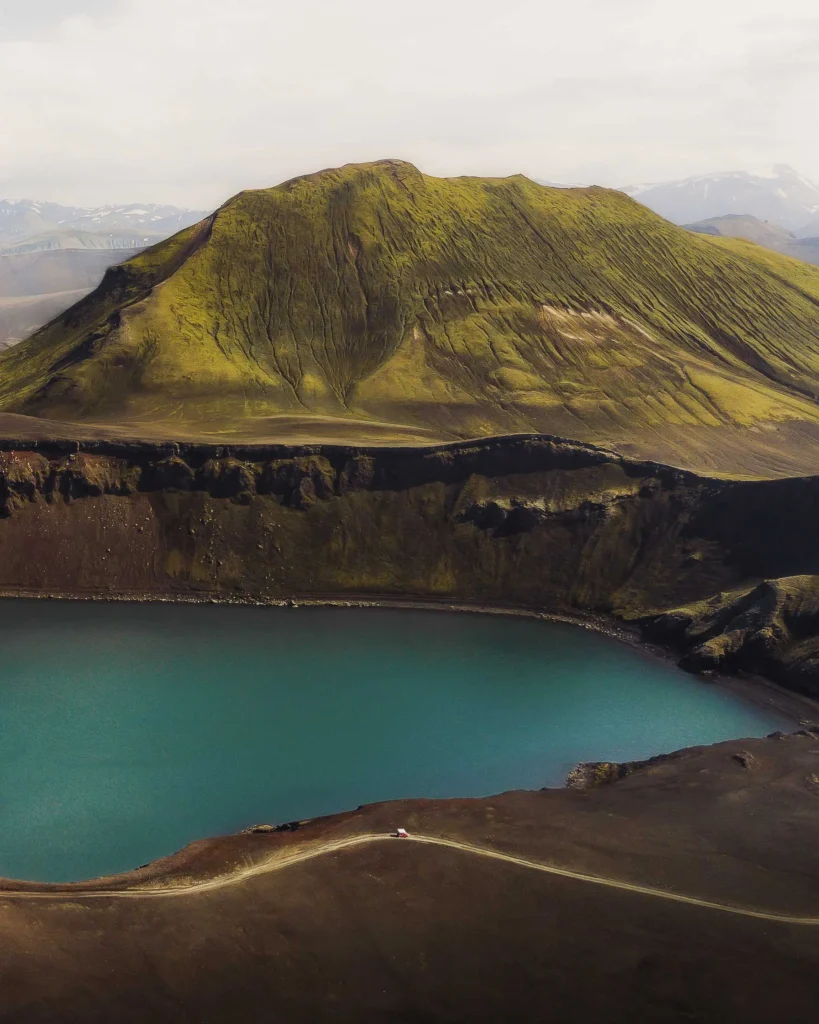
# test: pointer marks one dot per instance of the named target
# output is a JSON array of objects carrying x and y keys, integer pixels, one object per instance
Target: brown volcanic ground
[{"x": 395, "y": 930}]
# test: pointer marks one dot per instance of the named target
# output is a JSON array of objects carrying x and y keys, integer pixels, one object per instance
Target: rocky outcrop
[
  {"x": 772, "y": 629},
  {"x": 299, "y": 477},
  {"x": 593, "y": 774},
  {"x": 303, "y": 480},
  {"x": 590, "y": 774}
]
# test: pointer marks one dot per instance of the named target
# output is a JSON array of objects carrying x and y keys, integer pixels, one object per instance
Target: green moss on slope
[{"x": 461, "y": 306}]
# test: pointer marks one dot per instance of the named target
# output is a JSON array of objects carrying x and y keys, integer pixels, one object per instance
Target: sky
[{"x": 190, "y": 101}]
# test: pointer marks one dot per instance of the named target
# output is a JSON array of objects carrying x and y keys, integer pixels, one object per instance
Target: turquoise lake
[{"x": 128, "y": 730}]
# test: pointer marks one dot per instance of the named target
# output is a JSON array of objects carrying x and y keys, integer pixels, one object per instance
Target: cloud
[
  {"x": 190, "y": 100},
  {"x": 23, "y": 19}
]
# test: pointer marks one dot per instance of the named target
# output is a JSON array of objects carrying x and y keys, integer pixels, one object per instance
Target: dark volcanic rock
[
  {"x": 771, "y": 629},
  {"x": 171, "y": 474},
  {"x": 589, "y": 774},
  {"x": 226, "y": 478},
  {"x": 300, "y": 481}
]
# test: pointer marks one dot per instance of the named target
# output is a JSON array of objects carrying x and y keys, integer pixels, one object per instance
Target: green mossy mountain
[{"x": 373, "y": 302}]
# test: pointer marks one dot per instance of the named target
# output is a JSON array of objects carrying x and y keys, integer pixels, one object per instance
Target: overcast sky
[{"x": 189, "y": 101}]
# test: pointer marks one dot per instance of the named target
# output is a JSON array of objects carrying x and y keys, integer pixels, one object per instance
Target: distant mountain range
[
  {"x": 53, "y": 255},
  {"x": 781, "y": 196},
  {"x": 736, "y": 225},
  {"x": 30, "y": 226},
  {"x": 37, "y": 286},
  {"x": 778, "y": 209}
]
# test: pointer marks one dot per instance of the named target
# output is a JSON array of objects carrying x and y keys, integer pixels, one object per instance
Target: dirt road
[{"x": 280, "y": 863}]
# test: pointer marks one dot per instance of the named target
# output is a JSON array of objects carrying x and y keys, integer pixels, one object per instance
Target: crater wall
[{"x": 533, "y": 522}]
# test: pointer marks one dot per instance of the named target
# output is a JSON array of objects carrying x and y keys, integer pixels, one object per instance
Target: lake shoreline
[
  {"x": 753, "y": 688},
  {"x": 658, "y": 745},
  {"x": 562, "y": 824}
]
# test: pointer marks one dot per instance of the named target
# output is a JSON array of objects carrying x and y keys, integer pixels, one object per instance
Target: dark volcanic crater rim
[
  {"x": 527, "y": 524},
  {"x": 724, "y": 570},
  {"x": 200, "y": 451},
  {"x": 350, "y": 935}
]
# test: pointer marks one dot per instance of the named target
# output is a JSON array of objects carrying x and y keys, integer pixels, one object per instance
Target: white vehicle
[{"x": 401, "y": 833}]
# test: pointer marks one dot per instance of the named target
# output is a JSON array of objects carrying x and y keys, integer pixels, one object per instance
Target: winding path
[{"x": 279, "y": 863}]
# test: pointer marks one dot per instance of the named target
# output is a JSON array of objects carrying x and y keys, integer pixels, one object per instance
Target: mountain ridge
[{"x": 37, "y": 286}]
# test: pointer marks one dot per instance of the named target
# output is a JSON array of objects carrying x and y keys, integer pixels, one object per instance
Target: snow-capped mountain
[
  {"x": 779, "y": 195},
  {"x": 28, "y": 225},
  {"x": 23, "y": 218},
  {"x": 165, "y": 220}
]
